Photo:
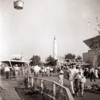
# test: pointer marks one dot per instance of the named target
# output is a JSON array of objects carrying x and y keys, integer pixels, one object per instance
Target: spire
[
  {"x": 54, "y": 37},
  {"x": 55, "y": 48}
]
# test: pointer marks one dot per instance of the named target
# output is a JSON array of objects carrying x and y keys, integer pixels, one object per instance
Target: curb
[{"x": 92, "y": 91}]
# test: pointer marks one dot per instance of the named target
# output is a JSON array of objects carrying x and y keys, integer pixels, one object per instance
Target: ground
[{"x": 8, "y": 92}]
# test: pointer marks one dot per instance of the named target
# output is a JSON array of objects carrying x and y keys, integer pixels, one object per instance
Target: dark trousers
[
  {"x": 87, "y": 74},
  {"x": 42, "y": 74},
  {"x": 2, "y": 72},
  {"x": 92, "y": 76},
  {"x": 99, "y": 75},
  {"x": 7, "y": 74},
  {"x": 77, "y": 85}
]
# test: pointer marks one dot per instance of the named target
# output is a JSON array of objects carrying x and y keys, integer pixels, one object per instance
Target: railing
[{"x": 50, "y": 88}]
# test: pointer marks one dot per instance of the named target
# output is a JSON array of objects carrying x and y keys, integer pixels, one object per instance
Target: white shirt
[
  {"x": 61, "y": 77},
  {"x": 7, "y": 69},
  {"x": 96, "y": 71},
  {"x": 16, "y": 68},
  {"x": 48, "y": 68},
  {"x": 91, "y": 70},
  {"x": 78, "y": 76},
  {"x": 80, "y": 70},
  {"x": 83, "y": 79},
  {"x": 37, "y": 68},
  {"x": 72, "y": 73},
  {"x": 51, "y": 69}
]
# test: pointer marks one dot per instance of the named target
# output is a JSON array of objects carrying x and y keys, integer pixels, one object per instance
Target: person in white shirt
[
  {"x": 36, "y": 70},
  {"x": 81, "y": 71},
  {"x": 92, "y": 75},
  {"x": 61, "y": 77},
  {"x": 72, "y": 73},
  {"x": 7, "y": 71},
  {"x": 16, "y": 68},
  {"x": 96, "y": 72},
  {"x": 48, "y": 71},
  {"x": 77, "y": 82},
  {"x": 83, "y": 81}
]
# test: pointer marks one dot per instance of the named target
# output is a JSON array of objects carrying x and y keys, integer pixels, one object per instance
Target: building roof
[
  {"x": 8, "y": 60},
  {"x": 93, "y": 43}
]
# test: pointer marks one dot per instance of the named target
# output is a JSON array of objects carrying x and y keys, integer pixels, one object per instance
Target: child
[
  {"x": 77, "y": 82},
  {"x": 61, "y": 77},
  {"x": 83, "y": 80}
]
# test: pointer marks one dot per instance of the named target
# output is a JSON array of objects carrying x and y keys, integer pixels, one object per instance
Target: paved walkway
[{"x": 7, "y": 89}]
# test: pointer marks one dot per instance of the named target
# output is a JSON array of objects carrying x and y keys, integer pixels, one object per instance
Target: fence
[{"x": 50, "y": 88}]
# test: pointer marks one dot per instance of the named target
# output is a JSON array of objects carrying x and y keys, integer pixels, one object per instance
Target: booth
[{"x": 21, "y": 64}]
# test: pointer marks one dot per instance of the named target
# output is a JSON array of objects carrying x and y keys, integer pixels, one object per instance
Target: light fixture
[{"x": 18, "y": 4}]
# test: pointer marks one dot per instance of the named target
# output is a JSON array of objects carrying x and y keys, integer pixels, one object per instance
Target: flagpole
[{"x": 88, "y": 23}]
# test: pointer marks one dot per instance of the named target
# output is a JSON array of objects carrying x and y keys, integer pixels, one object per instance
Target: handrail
[{"x": 68, "y": 93}]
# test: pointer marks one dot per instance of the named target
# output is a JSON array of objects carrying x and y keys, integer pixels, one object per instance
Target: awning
[
  {"x": 20, "y": 61},
  {"x": 93, "y": 43}
]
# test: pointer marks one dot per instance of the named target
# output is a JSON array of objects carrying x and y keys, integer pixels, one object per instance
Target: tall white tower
[{"x": 55, "y": 48}]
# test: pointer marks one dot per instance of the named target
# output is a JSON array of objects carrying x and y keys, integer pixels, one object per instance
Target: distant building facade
[
  {"x": 93, "y": 55},
  {"x": 88, "y": 56}
]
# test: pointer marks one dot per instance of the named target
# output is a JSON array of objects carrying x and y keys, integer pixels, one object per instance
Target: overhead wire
[{"x": 6, "y": 7}]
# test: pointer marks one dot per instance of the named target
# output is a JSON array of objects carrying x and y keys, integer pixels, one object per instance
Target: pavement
[
  {"x": 7, "y": 89},
  {"x": 8, "y": 92}
]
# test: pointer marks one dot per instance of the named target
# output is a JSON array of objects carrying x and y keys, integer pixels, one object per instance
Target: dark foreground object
[{"x": 28, "y": 94}]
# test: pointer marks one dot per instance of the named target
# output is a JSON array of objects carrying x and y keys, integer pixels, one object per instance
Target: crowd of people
[
  {"x": 74, "y": 73},
  {"x": 76, "y": 79},
  {"x": 8, "y": 71},
  {"x": 77, "y": 76}
]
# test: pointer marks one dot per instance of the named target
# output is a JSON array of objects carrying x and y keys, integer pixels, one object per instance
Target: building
[
  {"x": 93, "y": 55},
  {"x": 88, "y": 56}
]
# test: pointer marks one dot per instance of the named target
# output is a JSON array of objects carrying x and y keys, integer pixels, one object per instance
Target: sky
[{"x": 31, "y": 31}]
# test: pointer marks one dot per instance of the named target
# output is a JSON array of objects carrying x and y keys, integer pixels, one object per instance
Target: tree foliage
[
  {"x": 51, "y": 61},
  {"x": 79, "y": 58},
  {"x": 35, "y": 60},
  {"x": 70, "y": 56}
]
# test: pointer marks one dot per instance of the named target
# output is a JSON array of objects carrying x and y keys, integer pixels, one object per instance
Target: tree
[
  {"x": 51, "y": 61},
  {"x": 73, "y": 56},
  {"x": 79, "y": 58},
  {"x": 35, "y": 60},
  {"x": 70, "y": 56}
]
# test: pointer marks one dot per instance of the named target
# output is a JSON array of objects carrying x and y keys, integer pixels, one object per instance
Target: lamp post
[{"x": 18, "y": 4}]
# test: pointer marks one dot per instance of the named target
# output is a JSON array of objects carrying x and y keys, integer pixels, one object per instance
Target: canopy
[
  {"x": 10, "y": 62},
  {"x": 21, "y": 61},
  {"x": 93, "y": 43}
]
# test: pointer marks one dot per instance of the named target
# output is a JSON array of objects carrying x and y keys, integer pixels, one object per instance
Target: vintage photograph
[{"x": 49, "y": 49}]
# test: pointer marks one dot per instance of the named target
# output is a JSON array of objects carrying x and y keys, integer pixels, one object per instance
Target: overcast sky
[{"x": 31, "y": 31}]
